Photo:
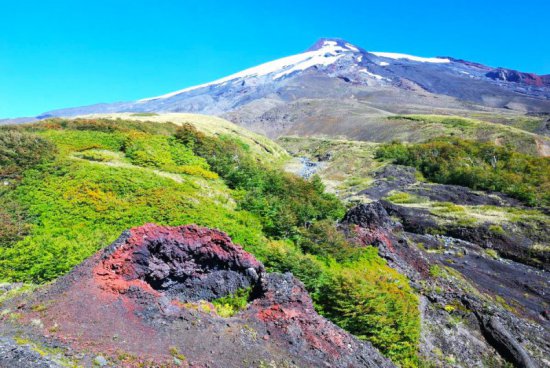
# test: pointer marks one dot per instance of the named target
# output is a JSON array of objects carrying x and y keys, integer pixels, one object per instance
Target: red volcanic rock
[
  {"x": 509, "y": 75},
  {"x": 188, "y": 261},
  {"x": 148, "y": 294},
  {"x": 370, "y": 224},
  {"x": 285, "y": 310}
]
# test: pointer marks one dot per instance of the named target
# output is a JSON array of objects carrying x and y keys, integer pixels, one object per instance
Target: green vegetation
[
  {"x": 497, "y": 229},
  {"x": 478, "y": 166},
  {"x": 427, "y": 127},
  {"x": 261, "y": 148},
  {"x": 87, "y": 180},
  {"x": 436, "y": 271},
  {"x": 19, "y": 151},
  {"x": 282, "y": 201},
  {"x": 528, "y": 123},
  {"x": 145, "y": 114},
  {"x": 374, "y": 302},
  {"x": 492, "y": 253},
  {"x": 232, "y": 304},
  {"x": 174, "y": 351},
  {"x": 401, "y": 197},
  {"x": 322, "y": 238}
]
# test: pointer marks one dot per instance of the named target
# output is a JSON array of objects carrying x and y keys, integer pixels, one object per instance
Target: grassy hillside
[
  {"x": 432, "y": 126},
  {"x": 70, "y": 187},
  {"x": 260, "y": 146}
]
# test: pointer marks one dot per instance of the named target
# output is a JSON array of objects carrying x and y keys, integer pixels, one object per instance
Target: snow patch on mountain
[
  {"x": 375, "y": 76},
  {"x": 392, "y": 55}
]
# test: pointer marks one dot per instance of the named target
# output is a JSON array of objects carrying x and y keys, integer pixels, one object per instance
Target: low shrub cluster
[
  {"x": 228, "y": 306},
  {"x": 20, "y": 151},
  {"x": 476, "y": 165}
]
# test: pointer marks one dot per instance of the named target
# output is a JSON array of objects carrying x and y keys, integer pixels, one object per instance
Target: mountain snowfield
[
  {"x": 328, "y": 53},
  {"x": 269, "y": 98}
]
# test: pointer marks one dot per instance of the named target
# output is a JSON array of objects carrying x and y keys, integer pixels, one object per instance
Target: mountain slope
[
  {"x": 427, "y": 273},
  {"x": 334, "y": 68},
  {"x": 71, "y": 186}
]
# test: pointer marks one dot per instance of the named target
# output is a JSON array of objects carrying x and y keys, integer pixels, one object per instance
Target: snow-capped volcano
[
  {"x": 322, "y": 54},
  {"x": 336, "y": 70},
  {"x": 326, "y": 53}
]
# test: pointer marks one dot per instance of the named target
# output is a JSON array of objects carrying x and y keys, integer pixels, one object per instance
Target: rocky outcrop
[
  {"x": 13, "y": 355},
  {"x": 286, "y": 313},
  {"x": 523, "y": 240},
  {"x": 147, "y": 296},
  {"x": 509, "y": 75},
  {"x": 188, "y": 263},
  {"x": 503, "y": 340},
  {"x": 466, "y": 321}
]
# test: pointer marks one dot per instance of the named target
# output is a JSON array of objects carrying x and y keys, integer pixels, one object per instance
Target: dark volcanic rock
[
  {"x": 403, "y": 179},
  {"x": 390, "y": 177},
  {"x": 188, "y": 262},
  {"x": 415, "y": 220},
  {"x": 518, "y": 241},
  {"x": 465, "y": 314},
  {"x": 148, "y": 295},
  {"x": 13, "y": 355},
  {"x": 369, "y": 215},
  {"x": 506, "y": 343},
  {"x": 461, "y": 195}
]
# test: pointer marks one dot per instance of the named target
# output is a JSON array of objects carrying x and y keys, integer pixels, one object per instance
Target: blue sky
[{"x": 57, "y": 54}]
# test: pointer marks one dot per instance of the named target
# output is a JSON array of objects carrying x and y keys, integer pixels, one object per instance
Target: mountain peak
[{"x": 332, "y": 43}]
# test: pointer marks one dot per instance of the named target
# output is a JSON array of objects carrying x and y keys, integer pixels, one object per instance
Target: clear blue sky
[{"x": 57, "y": 54}]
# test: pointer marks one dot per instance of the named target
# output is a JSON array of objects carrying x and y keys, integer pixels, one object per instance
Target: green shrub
[
  {"x": 284, "y": 202},
  {"x": 375, "y": 303},
  {"x": 95, "y": 155},
  {"x": 448, "y": 207},
  {"x": 436, "y": 271},
  {"x": 230, "y": 305},
  {"x": 476, "y": 165},
  {"x": 20, "y": 151},
  {"x": 492, "y": 253},
  {"x": 160, "y": 152},
  {"x": 14, "y": 220},
  {"x": 496, "y": 229},
  {"x": 322, "y": 238}
]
